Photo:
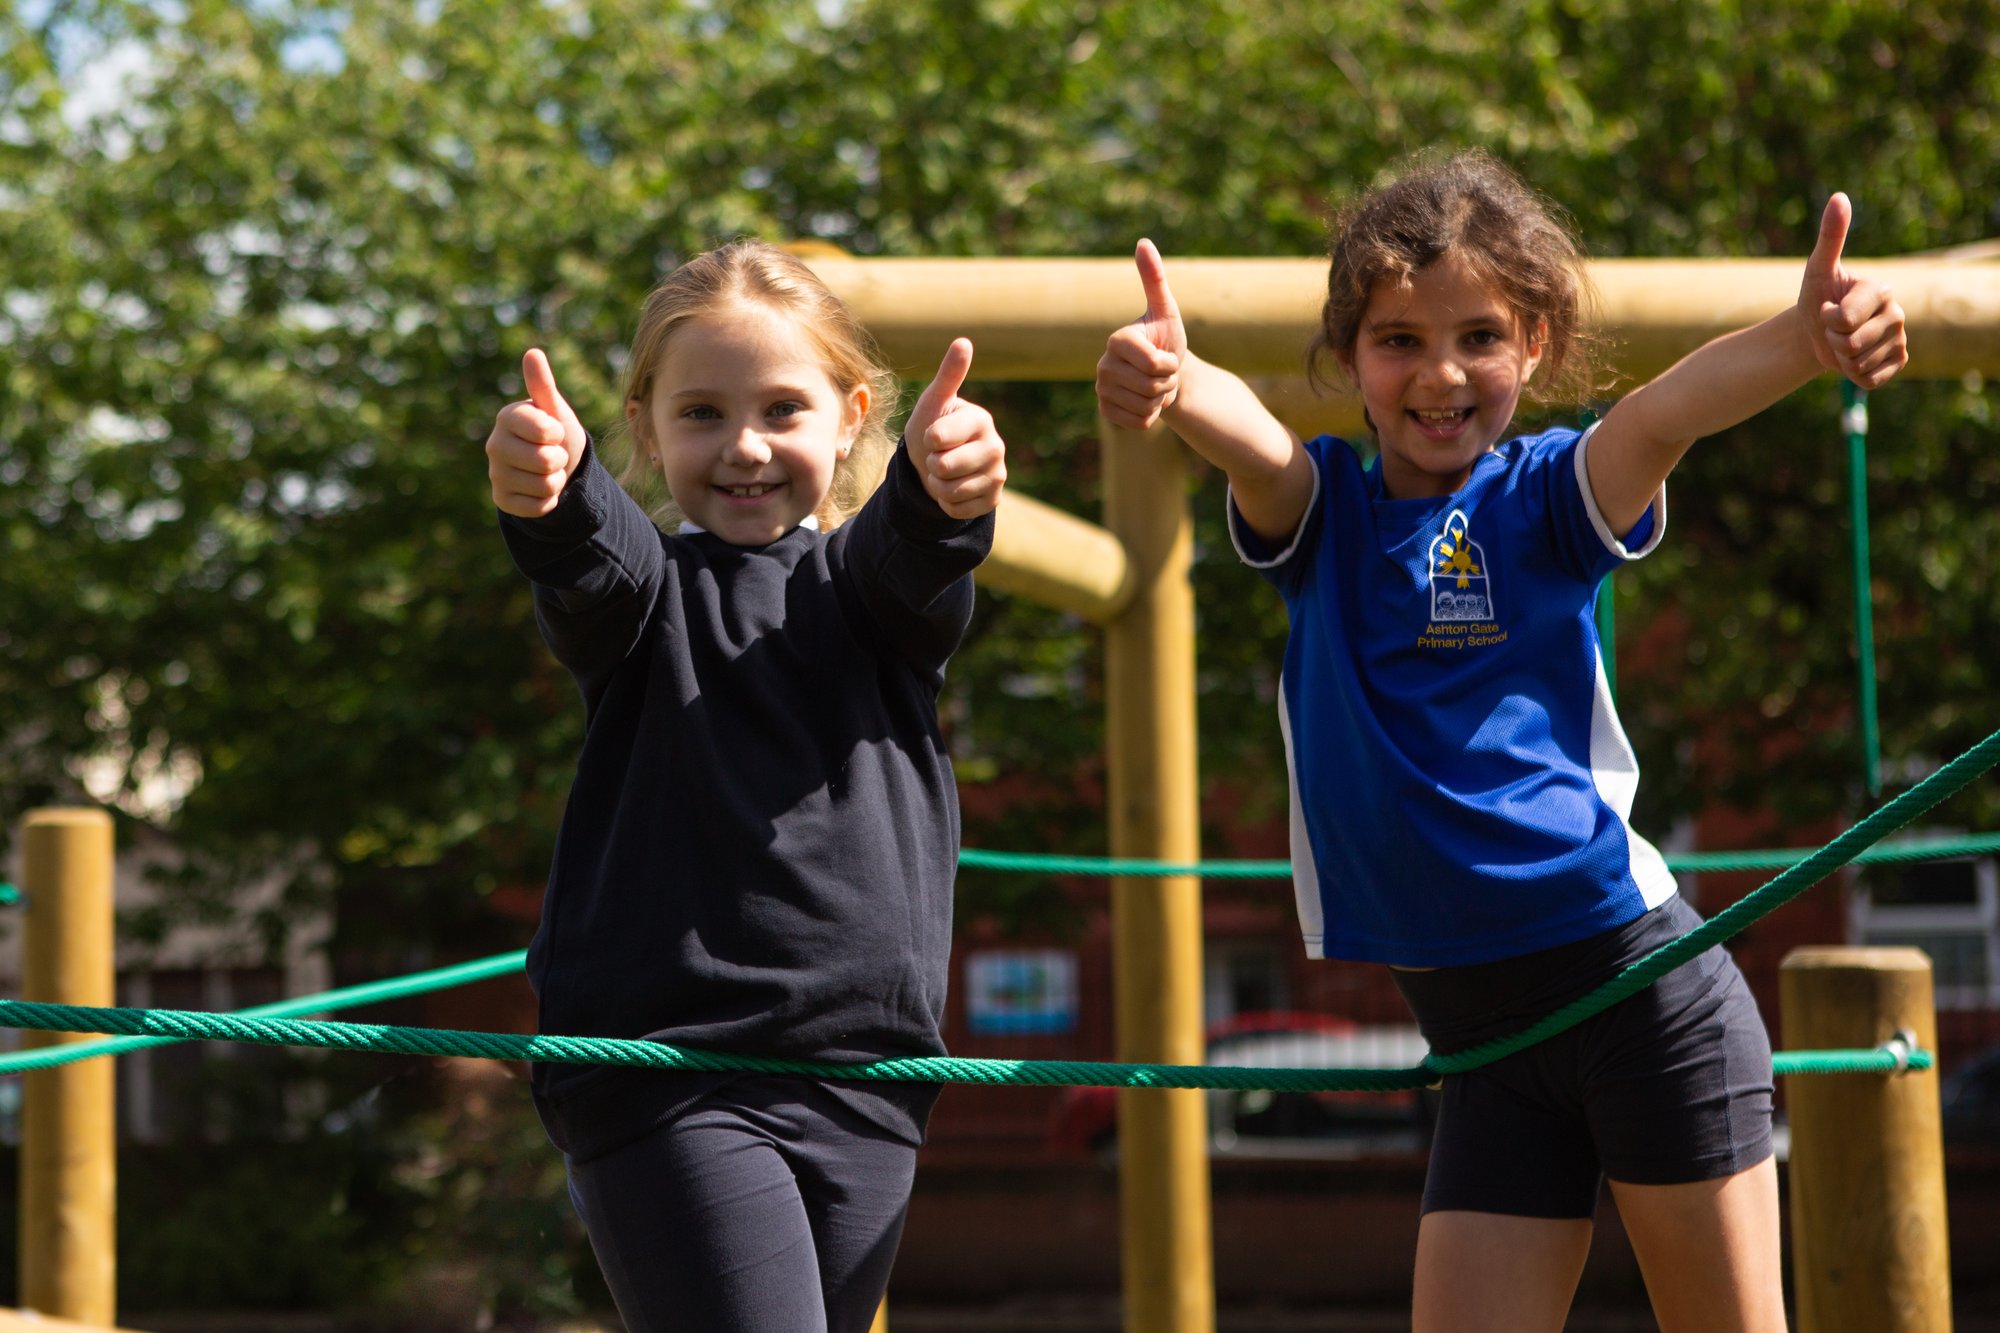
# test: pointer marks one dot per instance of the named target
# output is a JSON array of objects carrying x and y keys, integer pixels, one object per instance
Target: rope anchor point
[{"x": 1899, "y": 1046}]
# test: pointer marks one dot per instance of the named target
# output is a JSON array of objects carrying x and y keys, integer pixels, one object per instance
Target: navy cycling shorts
[{"x": 1670, "y": 1086}]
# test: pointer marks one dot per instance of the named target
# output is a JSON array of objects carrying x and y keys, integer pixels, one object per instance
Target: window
[
  {"x": 1950, "y": 910},
  {"x": 1242, "y": 977}
]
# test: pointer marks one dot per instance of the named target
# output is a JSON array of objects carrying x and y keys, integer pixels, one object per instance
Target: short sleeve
[
  {"x": 1645, "y": 535},
  {"x": 1280, "y": 566},
  {"x": 1583, "y": 540}
]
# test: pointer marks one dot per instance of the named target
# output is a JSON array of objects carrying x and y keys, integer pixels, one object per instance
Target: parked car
[{"x": 1261, "y": 1123}]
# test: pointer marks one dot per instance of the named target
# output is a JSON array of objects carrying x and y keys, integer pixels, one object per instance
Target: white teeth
[
  {"x": 1443, "y": 417},
  {"x": 751, "y": 492}
]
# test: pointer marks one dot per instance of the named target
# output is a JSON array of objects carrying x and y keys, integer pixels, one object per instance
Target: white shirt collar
[{"x": 688, "y": 526}]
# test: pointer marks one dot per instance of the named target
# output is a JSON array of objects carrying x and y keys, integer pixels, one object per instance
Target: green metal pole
[
  {"x": 1607, "y": 618},
  {"x": 1854, "y": 420},
  {"x": 1607, "y": 634}
]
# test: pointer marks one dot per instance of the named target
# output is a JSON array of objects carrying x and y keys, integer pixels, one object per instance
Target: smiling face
[
  {"x": 745, "y": 423},
  {"x": 1440, "y": 364}
]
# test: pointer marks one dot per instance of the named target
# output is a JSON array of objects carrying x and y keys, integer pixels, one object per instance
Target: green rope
[
  {"x": 1738, "y": 915},
  {"x": 971, "y": 858},
  {"x": 508, "y": 963},
  {"x": 175, "y": 1025},
  {"x": 180, "y": 1025},
  {"x": 1886, "y": 1059},
  {"x": 350, "y": 997},
  {"x": 1927, "y": 849}
]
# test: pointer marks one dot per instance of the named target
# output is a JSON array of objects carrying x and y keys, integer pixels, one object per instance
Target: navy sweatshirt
[{"x": 759, "y": 847}]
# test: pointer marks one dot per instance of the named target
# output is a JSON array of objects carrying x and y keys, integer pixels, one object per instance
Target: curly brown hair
[
  {"x": 1471, "y": 206},
  {"x": 748, "y": 272}
]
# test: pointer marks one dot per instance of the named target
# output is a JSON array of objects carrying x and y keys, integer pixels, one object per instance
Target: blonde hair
[
  {"x": 754, "y": 272},
  {"x": 1516, "y": 240}
]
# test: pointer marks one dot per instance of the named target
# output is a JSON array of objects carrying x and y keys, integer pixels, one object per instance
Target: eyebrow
[
  {"x": 701, "y": 391},
  {"x": 1500, "y": 317}
]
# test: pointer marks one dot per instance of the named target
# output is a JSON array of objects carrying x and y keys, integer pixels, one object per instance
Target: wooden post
[
  {"x": 1156, "y": 923},
  {"x": 68, "y": 1127},
  {"x": 1870, "y": 1253},
  {"x": 33, "y": 1321}
]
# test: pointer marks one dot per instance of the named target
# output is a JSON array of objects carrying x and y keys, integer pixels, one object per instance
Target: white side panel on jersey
[
  {"x": 1615, "y": 771},
  {"x": 1305, "y": 871}
]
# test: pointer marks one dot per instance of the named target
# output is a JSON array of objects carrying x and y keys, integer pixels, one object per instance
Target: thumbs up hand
[
  {"x": 954, "y": 444},
  {"x": 1854, "y": 326},
  {"x": 1138, "y": 377},
  {"x": 535, "y": 445}
]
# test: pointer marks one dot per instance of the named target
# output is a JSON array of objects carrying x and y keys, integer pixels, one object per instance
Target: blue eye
[
  {"x": 787, "y": 409},
  {"x": 701, "y": 412}
]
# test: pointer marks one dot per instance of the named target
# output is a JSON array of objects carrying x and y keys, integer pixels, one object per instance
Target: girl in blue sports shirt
[{"x": 1462, "y": 783}]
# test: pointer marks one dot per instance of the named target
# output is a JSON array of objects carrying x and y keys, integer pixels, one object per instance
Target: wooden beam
[
  {"x": 1047, "y": 319},
  {"x": 1042, "y": 553}
]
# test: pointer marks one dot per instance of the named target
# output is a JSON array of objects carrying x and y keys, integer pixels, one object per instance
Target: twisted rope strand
[
  {"x": 1928, "y": 849},
  {"x": 183, "y": 1025},
  {"x": 155, "y": 1025}
]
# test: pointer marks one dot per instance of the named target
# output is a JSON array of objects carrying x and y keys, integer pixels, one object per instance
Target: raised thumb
[
  {"x": 944, "y": 387},
  {"x": 1161, "y": 308},
  {"x": 1825, "y": 258},
  {"x": 542, "y": 391}
]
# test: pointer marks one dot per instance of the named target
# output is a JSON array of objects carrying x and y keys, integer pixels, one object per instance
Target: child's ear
[
  {"x": 1538, "y": 342},
  {"x": 858, "y": 402},
  {"x": 642, "y": 430}
]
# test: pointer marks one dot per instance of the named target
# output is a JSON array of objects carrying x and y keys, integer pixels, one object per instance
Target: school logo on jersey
[{"x": 1461, "y": 587}]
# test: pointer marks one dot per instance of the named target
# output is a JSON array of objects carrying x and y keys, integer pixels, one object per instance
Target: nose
[
  {"x": 749, "y": 446},
  {"x": 1445, "y": 372}
]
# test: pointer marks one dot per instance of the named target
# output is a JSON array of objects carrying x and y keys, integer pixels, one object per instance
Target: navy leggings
[{"x": 766, "y": 1207}]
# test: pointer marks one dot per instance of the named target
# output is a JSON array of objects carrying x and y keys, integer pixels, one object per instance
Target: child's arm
[
  {"x": 906, "y": 555},
  {"x": 1840, "y": 322},
  {"x": 592, "y": 554},
  {"x": 1148, "y": 374}
]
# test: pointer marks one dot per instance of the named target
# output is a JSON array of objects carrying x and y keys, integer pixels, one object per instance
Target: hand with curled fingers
[
  {"x": 1854, "y": 325},
  {"x": 535, "y": 445},
  {"x": 954, "y": 444},
  {"x": 1138, "y": 377}
]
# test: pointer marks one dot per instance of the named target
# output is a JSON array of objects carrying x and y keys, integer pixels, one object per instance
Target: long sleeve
[
  {"x": 903, "y": 562},
  {"x": 596, "y": 562}
]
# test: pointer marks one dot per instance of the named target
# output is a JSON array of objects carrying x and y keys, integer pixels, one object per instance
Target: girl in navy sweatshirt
[{"x": 758, "y": 850}]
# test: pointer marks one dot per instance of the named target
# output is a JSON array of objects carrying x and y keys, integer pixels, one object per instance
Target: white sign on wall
[{"x": 1020, "y": 990}]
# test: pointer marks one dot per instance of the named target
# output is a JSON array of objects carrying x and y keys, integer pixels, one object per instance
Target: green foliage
[
  {"x": 263, "y": 299},
  {"x": 264, "y": 1225},
  {"x": 490, "y": 1239},
  {"x": 263, "y": 304}
]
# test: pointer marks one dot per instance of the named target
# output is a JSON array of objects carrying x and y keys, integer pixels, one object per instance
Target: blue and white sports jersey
[{"x": 1461, "y": 785}]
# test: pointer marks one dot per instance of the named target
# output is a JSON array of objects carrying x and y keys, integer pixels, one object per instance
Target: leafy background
[{"x": 269, "y": 270}]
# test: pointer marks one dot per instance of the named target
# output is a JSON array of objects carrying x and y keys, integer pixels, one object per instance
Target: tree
[{"x": 262, "y": 303}]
